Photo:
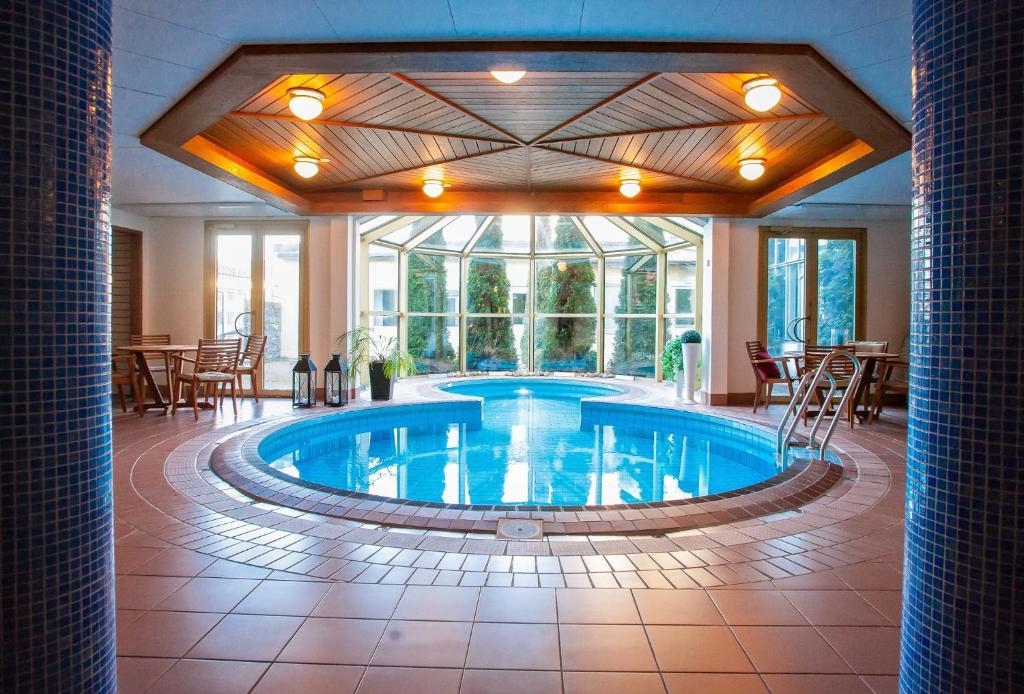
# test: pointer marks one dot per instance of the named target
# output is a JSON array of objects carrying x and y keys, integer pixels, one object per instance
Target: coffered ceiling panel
[{"x": 583, "y": 118}]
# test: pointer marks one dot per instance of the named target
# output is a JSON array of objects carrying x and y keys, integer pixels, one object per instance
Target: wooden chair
[
  {"x": 214, "y": 365},
  {"x": 249, "y": 364},
  {"x": 767, "y": 372},
  {"x": 888, "y": 384},
  {"x": 120, "y": 379},
  {"x": 842, "y": 371},
  {"x": 163, "y": 364}
]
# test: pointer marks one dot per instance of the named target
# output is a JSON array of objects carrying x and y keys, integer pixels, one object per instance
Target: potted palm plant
[{"x": 382, "y": 358}]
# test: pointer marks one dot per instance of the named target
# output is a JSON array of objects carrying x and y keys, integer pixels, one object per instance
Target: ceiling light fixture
[
  {"x": 630, "y": 187},
  {"x": 433, "y": 187},
  {"x": 305, "y": 103},
  {"x": 508, "y": 76},
  {"x": 752, "y": 169},
  {"x": 762, "y": 93},
  {"x": 307, "y": 167}
]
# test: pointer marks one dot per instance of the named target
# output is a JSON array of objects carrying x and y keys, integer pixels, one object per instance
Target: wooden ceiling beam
[
  {"x": 603, "y": 102},
  {"x": 367, "y": 126},
  {"x": 692, "y": 126},
  {"x": 448, "y": 102},
  {"x": 641, "y": 169}
]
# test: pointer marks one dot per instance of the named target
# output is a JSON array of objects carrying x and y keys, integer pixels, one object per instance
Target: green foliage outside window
[
  {"x": 566, "y": 286},
  {"x": 489, "y": 341},
  {"x": 635, "y": 340},
  {"x": 427, "y": 335}
]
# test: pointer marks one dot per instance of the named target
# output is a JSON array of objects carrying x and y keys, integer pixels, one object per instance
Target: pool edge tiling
[{"x": 238, "y": 462}]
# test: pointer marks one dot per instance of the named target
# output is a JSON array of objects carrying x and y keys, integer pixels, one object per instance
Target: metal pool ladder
[{"x": 805, "y": 389}]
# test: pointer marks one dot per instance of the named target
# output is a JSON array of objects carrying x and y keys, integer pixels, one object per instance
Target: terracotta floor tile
[
  {"x": 713, "y": 683},
  {"x": 208, "y": 595},
  {"x": 815, "y": 684},
  {"x": 612, "y": 683},
  {"x": 888, "y": 602},
  {"x": 209, "y": 676},
  {"x": 359, "y": 600},
  {"x": 164, "y": 634},
  {"x": 143, "y": 592},
  {"x": 309, "y": 679},
  {"x": 294, "y": 598},
  {"x": 222, "y": 568},
  {"x": 596, "y": 606},
  {"x": 390, "y": 680},
  {"x": 423, "y": 644},
  {"x": 440, "y": 603},
  {"x": 838, "y": 607},
  {"x": 882, "y": 684},
  {"x": 870, "y": 576},
  {"x": 246, "y": 637},
  {"x": 789, "y": 649},
  {"x": 532, "y": 605},
  {"x": 334, "y": 641},
  {"x": 126, "y": 617},
  {"x": 677, "y": 607},
  {"x": 514, "y": 647},
  {"x": 697, "y": 649},
  {"x": 127, "y": 557},
  {"x": 174, "y": 562},
  {"x": 763, "y": 607},
  {"x": 135, "y": 675},
  {"x": 608, "y": 647},
  {"x": 823, "y": 580},
  {"x": 511, "y": 682},
  {"x": 868, "y": 650}
]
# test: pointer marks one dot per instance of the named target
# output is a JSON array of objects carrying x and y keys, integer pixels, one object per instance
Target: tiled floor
[{"x": 217, "y": 594}]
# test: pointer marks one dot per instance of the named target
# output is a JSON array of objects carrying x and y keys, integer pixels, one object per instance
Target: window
[{"x": 573, "y": 293}]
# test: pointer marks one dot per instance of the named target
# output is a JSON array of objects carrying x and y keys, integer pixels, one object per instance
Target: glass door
[
  {"x": 811, "y": 287},
  {"x": 256, "y": 286}
]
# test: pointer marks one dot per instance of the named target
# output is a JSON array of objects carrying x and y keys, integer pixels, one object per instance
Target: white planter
[
  {"x": 679, "y": 385},
  {"x": 691, "y": 353}
]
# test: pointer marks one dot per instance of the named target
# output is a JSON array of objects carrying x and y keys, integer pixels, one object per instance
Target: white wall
[{"x": 887, "y": 291}]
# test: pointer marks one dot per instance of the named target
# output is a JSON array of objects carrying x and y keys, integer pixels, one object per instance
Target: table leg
[
  {"x": 147, "y": 375},
  {"x": 867, "y": 374}
]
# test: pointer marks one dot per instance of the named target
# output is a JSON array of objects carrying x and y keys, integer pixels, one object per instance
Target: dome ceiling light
[
  {"x": 762, "y": 94},
  {"x": 752, "y": 169},
  {"x": 433, "y": 187},
  {"x": 508, "y": 76},
  {"x": 305, "y": 103},
  {"x": 630, "y": 187},
  {"x": 307, "y": 167}
]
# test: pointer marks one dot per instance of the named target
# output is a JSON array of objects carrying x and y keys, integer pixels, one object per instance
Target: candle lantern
[
  {"x": 335, "y": 382},
  {"x": 304, "y": 382}
]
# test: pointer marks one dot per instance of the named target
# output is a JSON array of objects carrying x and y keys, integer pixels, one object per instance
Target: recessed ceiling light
[
  {"x": 630, "y": 187},
  {"x": 752, "y": 169},
  {"x": 508, "y": 76},
  {"x": 305, "y": 103},
  {"x": 762, "y": 93},
  {"x": 433, "y": 187},
  {"x": 307, "y": 167}
]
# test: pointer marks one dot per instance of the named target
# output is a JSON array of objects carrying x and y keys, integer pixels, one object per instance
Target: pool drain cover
[{"x": 520, "y": 529}]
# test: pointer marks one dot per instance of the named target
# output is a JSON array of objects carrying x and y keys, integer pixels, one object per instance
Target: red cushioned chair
[{"x": 767, "y": 372}]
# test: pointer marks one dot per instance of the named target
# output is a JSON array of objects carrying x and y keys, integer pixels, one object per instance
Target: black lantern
[
  {"x": 335, "y": 382},
  {"x": 304, "y": 382}
]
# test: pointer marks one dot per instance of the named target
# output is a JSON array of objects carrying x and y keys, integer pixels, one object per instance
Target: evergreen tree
[
  {"x": 489, "y": 341},
  {"x": 634, "y": 346},
  {"x": 566, "y": 286},
  {"x": 427, "y": 335}
]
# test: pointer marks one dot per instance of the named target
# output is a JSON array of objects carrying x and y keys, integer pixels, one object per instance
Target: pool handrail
[{"x": 801, "y": 399}]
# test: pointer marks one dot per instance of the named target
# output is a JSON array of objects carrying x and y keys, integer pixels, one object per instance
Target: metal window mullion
[
  {"x": 463, "y": 307},
  {"x": 403, "y": 300},
  {"x": 531, "y": 298},
  {"x": 659, "y": 309},
  {"x": 475, "y": 238},
  {"x": 635, "y": 233},
  {"x": 427, "y": 233},
  {"x": 390, "y": 227},
  {"x": 587, "y": 236},
  {"x": 600, "y": 314}
]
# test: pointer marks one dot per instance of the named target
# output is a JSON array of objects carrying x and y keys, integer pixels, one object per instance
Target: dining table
[
  {"x": 142, "y": 366},
  {"x": 868, "y": 363}
]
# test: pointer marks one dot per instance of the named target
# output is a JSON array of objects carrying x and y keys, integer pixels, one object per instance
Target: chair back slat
[
  {"x": 149, "y": 339},
  {"x": 217, "y": 355},
  {"x": 815, "y": 354},
  {"x": 870, "y": 346},
  {"x": 254, "y": 347},
  {"x": 753, "y": 347}
]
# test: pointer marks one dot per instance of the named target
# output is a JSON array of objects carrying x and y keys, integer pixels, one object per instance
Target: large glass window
[{"x": 579, "y": 293}]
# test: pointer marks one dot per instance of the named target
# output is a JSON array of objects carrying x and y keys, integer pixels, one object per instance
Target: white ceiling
[{"x": 161, "y": 49}]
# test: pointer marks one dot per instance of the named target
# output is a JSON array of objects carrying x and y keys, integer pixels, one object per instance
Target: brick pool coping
[{"x": 237, "y": 462}]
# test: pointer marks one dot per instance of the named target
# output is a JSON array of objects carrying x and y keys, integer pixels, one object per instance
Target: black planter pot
[{"x": 381, "y": 387}]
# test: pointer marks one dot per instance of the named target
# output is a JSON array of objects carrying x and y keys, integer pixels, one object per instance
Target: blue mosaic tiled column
[
  {"x": 56, "y": 513},
  {"x": 963, "y": 610}
]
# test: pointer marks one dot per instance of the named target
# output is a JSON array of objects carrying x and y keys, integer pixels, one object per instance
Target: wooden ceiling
[{"x": 557, "y": 140}]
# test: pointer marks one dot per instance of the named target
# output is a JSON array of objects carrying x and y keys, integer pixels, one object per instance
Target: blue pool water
[{"x": 529, "y": 448}]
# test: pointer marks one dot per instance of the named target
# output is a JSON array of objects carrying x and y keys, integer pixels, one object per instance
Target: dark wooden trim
[{"x": 135, "y": 299}]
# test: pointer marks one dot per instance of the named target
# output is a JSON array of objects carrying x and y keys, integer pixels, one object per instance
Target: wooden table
[
  {"x": 868, "y": 362},
  {"x": 142, "y": 364}
]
